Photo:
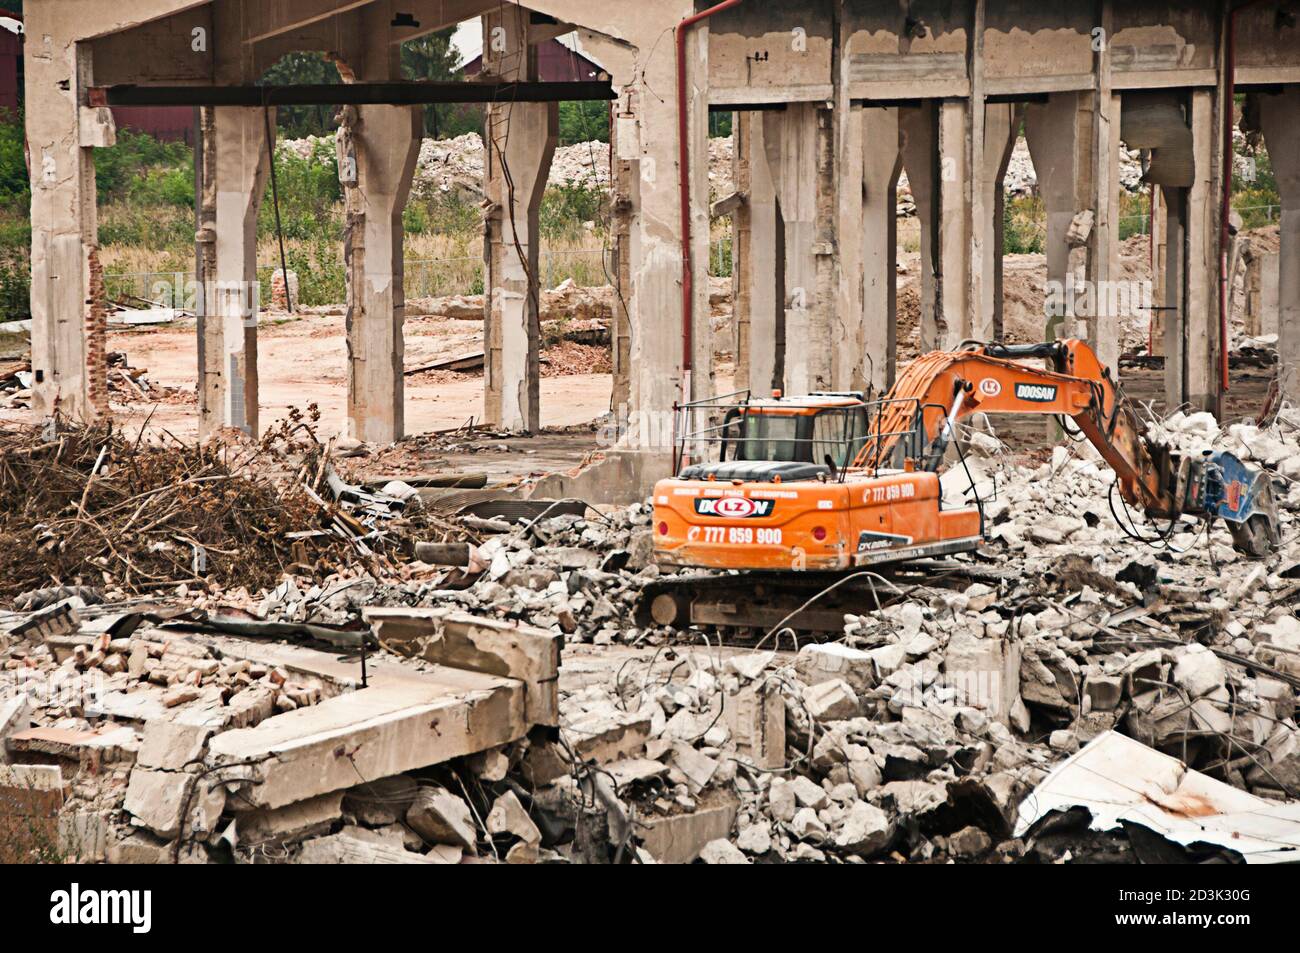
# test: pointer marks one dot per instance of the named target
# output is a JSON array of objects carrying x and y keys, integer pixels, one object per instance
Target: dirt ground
[{"x": 303, "y": 361}]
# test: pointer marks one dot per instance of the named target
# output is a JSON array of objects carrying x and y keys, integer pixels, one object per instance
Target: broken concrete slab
[
  {"x": 401, "y": 722},
  {"x": 722, "y": 851},
  {"x": 108, "y": 744},
  {"x": 167, "y": 801},
  {"x": 490, "y": 646},
  {"x": 171, "y": 745},
  {"x": 290, "y": 823}
]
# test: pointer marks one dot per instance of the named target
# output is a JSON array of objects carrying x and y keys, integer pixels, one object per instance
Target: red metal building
[{"x": 166, "y": 122}]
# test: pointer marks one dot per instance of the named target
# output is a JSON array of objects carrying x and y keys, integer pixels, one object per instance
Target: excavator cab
[{"x": 795, "y": 431}]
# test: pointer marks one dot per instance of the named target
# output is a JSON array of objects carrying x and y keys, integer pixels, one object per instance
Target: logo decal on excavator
[
  {"x": 868, "y": 541},
  {"x": 734, "y": 507},
  {"x": 990, "y": 387},
  {"x": 1039, "y": 393}
]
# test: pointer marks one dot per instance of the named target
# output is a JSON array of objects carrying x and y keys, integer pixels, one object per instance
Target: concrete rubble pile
[{"x": 184, "y": 729}]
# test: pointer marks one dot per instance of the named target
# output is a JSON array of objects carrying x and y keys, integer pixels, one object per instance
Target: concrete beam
[
  {"x": 264, "y": 20},
  {"x": 382, "y": 144}
]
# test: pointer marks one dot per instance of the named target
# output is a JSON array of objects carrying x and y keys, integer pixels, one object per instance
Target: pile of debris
[
  {"x": 1078, "y": 689},
  {"x": 87, "y": 506},
  {"x": 127, "y": 383},
  {"x": 16, "y": 383}
]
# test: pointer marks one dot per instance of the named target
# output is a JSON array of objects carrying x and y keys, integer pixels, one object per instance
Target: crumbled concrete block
[
  {"x": 1199, "y": 671},
  {"x": 441, "y": 817},
  {"x": 832, "y": 700},
  {"x": 750, "y": 665},
  {"x": 808, "y": 793},
  {"x": 968, "y": 843},
  {"x": 509, "y": 817},
  {"x": 679, "y": 838},
  {"x": 867, "y": 830},
  {"x": 490, "y": 765},
  {"x": 806, "y": 824},
  {"x": 15, "y": 716},
  {"x": 698, "y": 768},
  {"x": 819, "y": 663},
  {"x": 84, "y": 836},
  {"x": 755, "y": 838},
  {"x": 157, "y": 799},
  {"x": 722, "y": 851},
  {"x": 349, "y": 846},
  {"x": 756, "y": 717},
  {"x": 1104, "y": 692}
]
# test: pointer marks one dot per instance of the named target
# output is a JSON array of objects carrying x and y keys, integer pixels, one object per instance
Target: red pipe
[
  {"x": 684, "y": 190},
  {"x": 1225, "y": 208}
]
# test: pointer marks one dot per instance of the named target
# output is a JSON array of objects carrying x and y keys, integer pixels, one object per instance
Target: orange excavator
[{"x": 836, "y": 482}]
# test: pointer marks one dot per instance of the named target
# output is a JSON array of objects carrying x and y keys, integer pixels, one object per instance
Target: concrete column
[
  {"x": 798, "y": 143},
  {"x": 1201, "y": 334},
  {"x": 240, "y": 169},
  {"x": 378, "y": 145},
  {"x": 67, "y": 291},
  {"x": 920, "y": 151},
  {"x": 1001, "y": 125},
  {"x": 953, "y": 305},
  {"x": 518, "y": 146},
  {"x": 623, "y": 187},
  {"x": 1103, "y": 242},
  {"x": 882, "y": 162},
  {"x": 1280, "y": 119},
  {"x": 697, "y": 75},
  {"x": 1058, "y": 133},
  {"x": 1174, "y": 200},
  {"x": 850, "y": 366},
  {"x": 1158, "y": 258},
  {"x": 754, "y": 277},
  {"x": 644, "y": 73}
]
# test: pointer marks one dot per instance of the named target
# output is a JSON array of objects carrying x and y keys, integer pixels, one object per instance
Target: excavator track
[{"x": 755, "y": 602}]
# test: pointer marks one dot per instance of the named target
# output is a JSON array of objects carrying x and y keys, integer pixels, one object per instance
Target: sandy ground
[{"x": 304, "y": 361}]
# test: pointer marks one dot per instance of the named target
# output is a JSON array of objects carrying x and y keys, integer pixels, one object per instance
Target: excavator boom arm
[{"x": 947, "y": 386}]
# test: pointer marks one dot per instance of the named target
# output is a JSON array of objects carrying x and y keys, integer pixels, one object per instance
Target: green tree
[
  {"x": 14, "y": 182},
  {"x": 296, "y": 122},
  {"x": 583, "y": 122},
  {"x": 432, "y": 58}
]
